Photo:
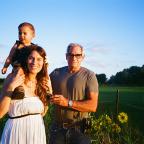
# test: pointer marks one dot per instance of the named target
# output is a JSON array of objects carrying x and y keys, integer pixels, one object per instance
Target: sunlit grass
[{"x": 131, "y": 101}]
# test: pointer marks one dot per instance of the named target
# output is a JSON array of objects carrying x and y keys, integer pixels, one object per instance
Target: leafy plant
[{"x": 107, "y": 130}]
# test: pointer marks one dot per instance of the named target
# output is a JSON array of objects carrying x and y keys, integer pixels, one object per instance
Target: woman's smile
[{"x": 35, "y": 62}]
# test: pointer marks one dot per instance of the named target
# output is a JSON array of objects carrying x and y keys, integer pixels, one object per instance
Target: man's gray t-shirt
[{"x": 73, "y": 86}]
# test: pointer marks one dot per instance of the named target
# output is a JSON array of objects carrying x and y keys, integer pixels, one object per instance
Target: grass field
[{"x": 131, "y": 101}]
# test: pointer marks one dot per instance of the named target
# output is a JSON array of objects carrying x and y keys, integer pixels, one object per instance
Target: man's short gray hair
[{"x": 71, "y": 45}]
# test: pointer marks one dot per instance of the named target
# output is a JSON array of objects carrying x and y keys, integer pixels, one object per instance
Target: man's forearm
[{"x": 85, "y": 106}]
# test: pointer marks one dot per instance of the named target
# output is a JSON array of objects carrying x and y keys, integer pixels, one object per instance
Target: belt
[
  {"x": 67, "y": 125},
  {"x": 22, "y": 115}
]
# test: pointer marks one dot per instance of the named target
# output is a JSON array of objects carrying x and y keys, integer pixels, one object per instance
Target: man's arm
[{"x": 89, "y": 105}]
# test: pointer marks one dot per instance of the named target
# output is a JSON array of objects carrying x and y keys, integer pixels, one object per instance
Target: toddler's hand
[{"x": 4, "y": 70}]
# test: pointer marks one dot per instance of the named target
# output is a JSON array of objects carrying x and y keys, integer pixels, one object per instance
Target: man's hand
[{"x": 59, "y": 100}]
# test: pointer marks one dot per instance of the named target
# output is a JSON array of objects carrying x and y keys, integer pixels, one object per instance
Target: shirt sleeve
[{"x": 92, "y": 83}]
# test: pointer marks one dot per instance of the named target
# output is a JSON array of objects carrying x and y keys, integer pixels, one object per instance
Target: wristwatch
[{"x": 70, "y": 103}]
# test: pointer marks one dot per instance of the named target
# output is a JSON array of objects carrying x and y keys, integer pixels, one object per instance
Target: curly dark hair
[{"x": 42, "y": 77}]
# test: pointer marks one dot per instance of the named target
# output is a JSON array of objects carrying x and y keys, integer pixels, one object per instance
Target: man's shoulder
[
  {"x": 59, "y": 70},
  {"x": 86, "y": 70}
]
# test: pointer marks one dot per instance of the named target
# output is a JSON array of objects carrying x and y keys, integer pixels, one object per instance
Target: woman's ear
[{"x": 66, "y": 56}]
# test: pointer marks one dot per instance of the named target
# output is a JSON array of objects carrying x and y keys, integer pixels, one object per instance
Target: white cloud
[{"x": 97, "y": 48}]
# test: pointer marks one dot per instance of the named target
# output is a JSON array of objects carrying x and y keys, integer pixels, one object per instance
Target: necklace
[
  {"x": 30, "y": 87},
  {"x": 31, "y": 83}
]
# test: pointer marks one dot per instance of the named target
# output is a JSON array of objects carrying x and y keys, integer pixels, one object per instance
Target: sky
[{"x": 111, "y": 31}]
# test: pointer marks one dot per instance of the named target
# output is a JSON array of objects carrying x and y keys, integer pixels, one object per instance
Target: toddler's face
[{"x": 26, "y": 35}]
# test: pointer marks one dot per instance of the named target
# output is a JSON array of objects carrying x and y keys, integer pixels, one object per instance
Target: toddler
[{"x": 26, "y": 32}]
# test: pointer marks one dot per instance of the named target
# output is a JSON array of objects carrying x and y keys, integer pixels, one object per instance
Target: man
[{"x": 75, "y": 94}]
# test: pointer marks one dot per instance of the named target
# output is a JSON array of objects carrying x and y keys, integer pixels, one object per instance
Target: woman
[{"x": 25, "y": 124}]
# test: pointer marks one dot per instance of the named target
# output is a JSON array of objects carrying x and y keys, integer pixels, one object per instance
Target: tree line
[{"x": 133, "y": 76}]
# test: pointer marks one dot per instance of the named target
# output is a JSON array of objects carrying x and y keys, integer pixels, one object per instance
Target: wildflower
[
  {"x": 101, "y": 123},
  {"x": 123, "y": 117},
  {"x": 108, "y": 119},
  {"x": 97, "y": 126},
  {"x": 46, "y": 60},
  {"x": 116, "y": 128}
]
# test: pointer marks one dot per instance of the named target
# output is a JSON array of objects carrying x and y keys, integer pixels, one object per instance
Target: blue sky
[{"x": 111, "y": 31}]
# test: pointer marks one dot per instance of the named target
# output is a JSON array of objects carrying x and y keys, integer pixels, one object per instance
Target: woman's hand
[{"x": 14, "y": 80}]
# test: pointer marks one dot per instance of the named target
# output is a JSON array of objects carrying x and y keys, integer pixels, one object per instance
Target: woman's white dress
[{"x": 25, "y": 130}]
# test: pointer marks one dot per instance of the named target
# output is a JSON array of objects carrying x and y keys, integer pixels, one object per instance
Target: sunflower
[
  {"x": 123, "y": 117},
  {"x": 116, "y": 128}
]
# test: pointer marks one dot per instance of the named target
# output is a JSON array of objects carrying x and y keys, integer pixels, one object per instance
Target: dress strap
[{"x": 22, "y": 115}]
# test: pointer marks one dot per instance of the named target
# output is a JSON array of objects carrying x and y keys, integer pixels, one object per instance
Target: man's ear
[{"x": 83, "y": 56}]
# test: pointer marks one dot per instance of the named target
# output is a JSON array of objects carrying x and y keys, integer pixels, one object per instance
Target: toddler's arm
[{"x": 9, "y": 58}]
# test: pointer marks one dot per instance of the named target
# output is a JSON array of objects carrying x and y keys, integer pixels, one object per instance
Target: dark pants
[{"x": 67, "y": 136}]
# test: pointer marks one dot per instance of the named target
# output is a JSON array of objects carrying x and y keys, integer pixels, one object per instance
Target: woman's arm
[
  {"x": 12, "y": 81},
  {"x": 45, "y": 111},
  {"x": 5, "y": 97},
  {"x": 4, "y": 106}
]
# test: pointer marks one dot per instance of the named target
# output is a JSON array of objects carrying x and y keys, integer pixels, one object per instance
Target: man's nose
[{"x": 74, "y": 57}]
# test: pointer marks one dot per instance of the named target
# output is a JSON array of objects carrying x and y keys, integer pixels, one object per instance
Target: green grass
[{"x": 131, "y": 101}]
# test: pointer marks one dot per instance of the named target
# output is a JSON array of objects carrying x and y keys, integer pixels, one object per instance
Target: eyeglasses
[{"x": 78, "y": 56}]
